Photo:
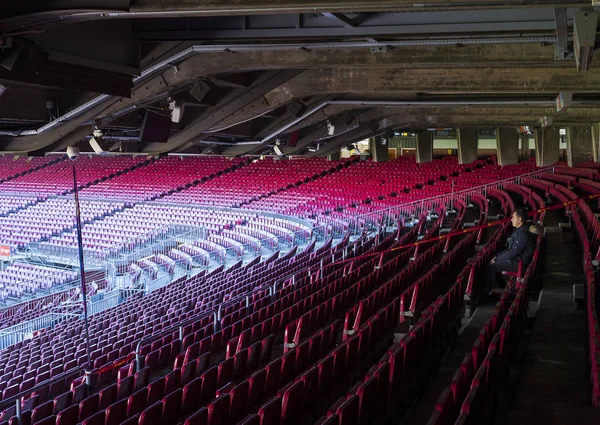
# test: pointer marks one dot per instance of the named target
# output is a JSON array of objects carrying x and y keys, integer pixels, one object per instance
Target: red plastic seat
[
  {"x": 68, "y": 416},
  {"x": 225, "y": 372},
  {"x": 270, "y": 412},
  {"x": 137, "y": 402},
  {"x": 191, "y": 395},
  {"x": 198, "y": 418},
  {"x": 209, "y": 383},
  {"x": 62, "y": 401},
  {"x": 107, "y": 396},
  {"x": 218, "y": 410},
  {"x": 257, "y": 386},
  {"x": 156, "y": 390},
  {"x": 151, "y": 415},
  {"x": 116, "y": 412},
  {"x": 42, "y": 411},
  {"x": 273, "y": 370},
  {"x": 291, "y": 403},
  {"x": 239, "y": 400},
  {"x": 96, "y": 419},
  {"x": 88, "y": 406},
  {"x": 348, "y": 411},
  {"x": 367, "y": 396},
  {"x": 171, "y": 406},
  {"x": 172, "y": 381},
  {"x": 124, "y": 387},
  {"x": 141, "y": 379},
  {"x": 250, "y": 420},
  {"x": 134, "y": 420}
]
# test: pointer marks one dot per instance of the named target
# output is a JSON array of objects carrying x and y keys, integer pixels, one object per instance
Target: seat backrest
[
  {"x": 151, "y": 415},
  {"x": 68, "y": 416},
  {"x": 218, "y": 410},
  {"x": 198, "y": 418},
  {"x": 270, "y": 412},
  {"x": 96, "y": 419}
]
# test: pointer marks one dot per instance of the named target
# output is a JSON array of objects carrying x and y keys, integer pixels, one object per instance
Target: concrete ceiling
[{"x": 249, "y": 72}]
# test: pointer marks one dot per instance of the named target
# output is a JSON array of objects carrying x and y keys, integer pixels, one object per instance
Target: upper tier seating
[
  {"x": 253, "y": 181},
  {"x": 161, "y": 176},
  {"x": 57, "y": 179},
  {"x": 11, "y": 166},
  {"x": 376, "y": 186}
]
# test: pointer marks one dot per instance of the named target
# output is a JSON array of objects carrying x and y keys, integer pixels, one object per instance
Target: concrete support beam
[
  {"x": 547, "y": 144},
  {"x": 467, "y": 145},
  {"x": 525, "y": 153},
  {"x": 507, "y": 145},
  {"x": 379, "y": 151},
  {"x": 334, "y": 156},
  {"x": 579, "y": 145},
  {"x": 424, "y": 146},
  {"x": 242, "y": 7},
  {"x": 596, "y": 142}
]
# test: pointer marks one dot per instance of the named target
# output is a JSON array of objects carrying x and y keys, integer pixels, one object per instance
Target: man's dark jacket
[{"x": 520, "y": 247}]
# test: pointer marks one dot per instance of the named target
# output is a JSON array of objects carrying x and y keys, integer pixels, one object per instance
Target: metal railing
[
  {"x": 415, "y": 208},
  {"x": 101, "y": 302},
  {"x": 25, "y": 330}
]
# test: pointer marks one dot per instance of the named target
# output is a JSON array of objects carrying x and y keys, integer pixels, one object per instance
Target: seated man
[{"x": 520, "y": 246}]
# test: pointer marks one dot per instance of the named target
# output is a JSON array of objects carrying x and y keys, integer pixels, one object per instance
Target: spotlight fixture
[
  {"x": 330, "y": 128},
  {"x": 95, "y": 141}
]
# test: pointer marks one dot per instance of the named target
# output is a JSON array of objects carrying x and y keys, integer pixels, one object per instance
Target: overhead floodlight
[
  {"x": 95, "y": 141},
  {"x": 8, "y": 61},
  {"x": 278, "y": 151},
  {"x": 563, "y": 100},
  {"x": 546, "y": 121},
  {"x": 330, "y": 128},
  {"x": 176, "y": 107}
]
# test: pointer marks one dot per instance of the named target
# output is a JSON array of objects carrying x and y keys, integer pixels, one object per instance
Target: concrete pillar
[
  {"x": 525, "y": 151},
  {"x": 379, "y": 151},
  {"x": 335, "y": 156},
  {"x": 547, "y": 146},
  {"x": 424, "y": 146},
  {"x": 507, "y": 145},
  {"x": 596, "y": 142},
  {"x": 579, "y": 145},
  {"x": 467, "y": 145}
]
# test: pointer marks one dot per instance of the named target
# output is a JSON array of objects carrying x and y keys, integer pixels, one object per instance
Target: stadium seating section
[{"x": 311, "y": 301}]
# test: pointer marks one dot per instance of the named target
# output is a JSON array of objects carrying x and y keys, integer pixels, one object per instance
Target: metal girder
[
  {"x": 237, "y": 7},
  {"x": 584, "y": 37},
  {"x": 362, "y": 132},
  {"x": 341, "y": 18},
  {"x": 246, "y": 149},
  {"x": 49, "y": 73},
  {"x": 269, "y": 81},
  {"x": 321, "y": 131},
  {"x": 346, "y": 32},
  {"x": 21, "y": 18},
  {"x": 562, "y": 32},
  {"x": 364, "y": 63}
]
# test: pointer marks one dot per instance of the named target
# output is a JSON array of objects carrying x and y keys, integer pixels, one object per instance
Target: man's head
[{"x": 519, "y": 217}]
